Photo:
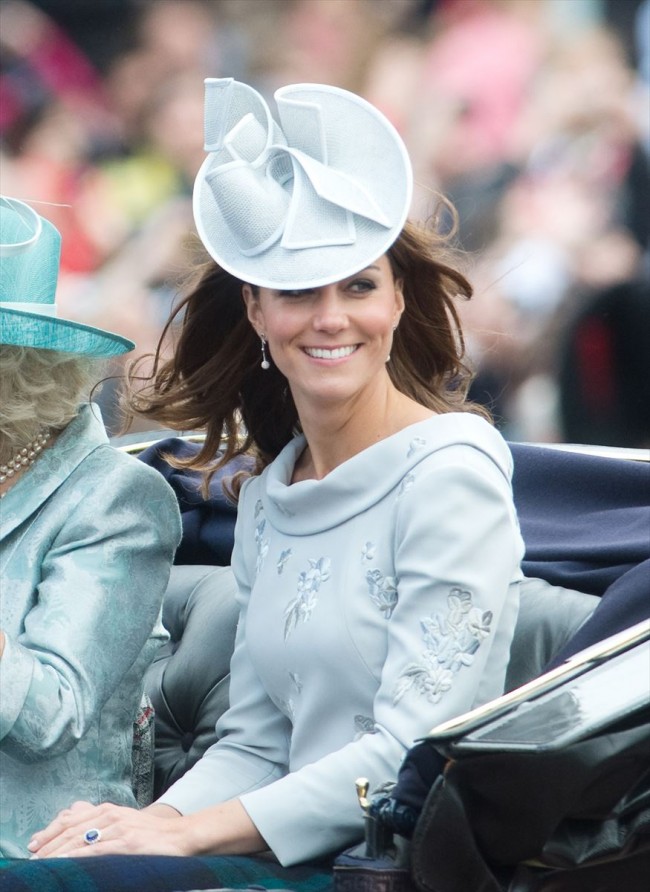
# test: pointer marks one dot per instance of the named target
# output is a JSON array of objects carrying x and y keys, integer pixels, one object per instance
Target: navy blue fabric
[
  {"x": 208, "y": 525},
  {"x": 421, "y": 766},
  {"x": 586, "y": 524},
  {"x": 158, "y": 873}
]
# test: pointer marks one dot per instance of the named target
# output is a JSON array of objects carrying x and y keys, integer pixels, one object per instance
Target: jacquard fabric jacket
[
  {"x": 375, "y": 603},
  {"x": 87, "y": 538}
]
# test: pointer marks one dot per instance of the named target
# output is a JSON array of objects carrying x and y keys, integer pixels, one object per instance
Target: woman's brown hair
[{"x": 214, "y": 383}]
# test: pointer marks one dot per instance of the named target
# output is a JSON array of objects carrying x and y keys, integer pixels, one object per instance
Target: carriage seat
[{"x": 187, "y": 681}]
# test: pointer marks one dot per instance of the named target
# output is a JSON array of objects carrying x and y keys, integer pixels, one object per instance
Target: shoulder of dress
[
  {"x": 456, "y": 461},
  {"x": 106, "y": 464}
]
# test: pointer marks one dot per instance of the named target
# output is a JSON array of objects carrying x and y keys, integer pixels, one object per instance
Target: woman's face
[{"x": 331, "y": 342}]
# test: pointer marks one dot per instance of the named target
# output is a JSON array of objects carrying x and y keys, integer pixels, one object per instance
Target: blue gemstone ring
[{"x": 92, "y": 836}]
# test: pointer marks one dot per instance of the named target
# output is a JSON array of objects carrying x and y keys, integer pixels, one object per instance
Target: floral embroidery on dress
[
  {"x": 284, "y": 557},
  {"x": 364, "y": 724},
  {"x": 291, "y": 705},
  {"x": 368, "y": 551},
  {"x": 262, "y": 545},
  {"x": 309, "y": 582},
  {"x": 406, "y": 484},
  {"x": 383, "y": 591},
  {"x": 258, "y": 508},
  {"x": 415, "y": 444},
  {"x": 451, "y": 642}
]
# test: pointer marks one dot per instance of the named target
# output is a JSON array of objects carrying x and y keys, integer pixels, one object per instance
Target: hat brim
[
  {"x": 375, "y": 157},
  {"x": 24, "y": 329}
]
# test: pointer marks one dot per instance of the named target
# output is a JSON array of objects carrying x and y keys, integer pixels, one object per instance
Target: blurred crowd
[{"x": 531, "y": 117}]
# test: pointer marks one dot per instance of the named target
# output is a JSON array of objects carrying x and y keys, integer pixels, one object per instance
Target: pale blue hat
[
  {"x": 30, "y": 248},
  {"x": 304, "y": 200}
]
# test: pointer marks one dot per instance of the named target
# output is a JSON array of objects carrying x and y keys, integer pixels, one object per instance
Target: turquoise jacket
[{"x": 87, "y": 539}]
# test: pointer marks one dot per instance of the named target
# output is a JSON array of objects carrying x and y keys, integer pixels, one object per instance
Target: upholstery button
[{"x": 186, "y": 741}]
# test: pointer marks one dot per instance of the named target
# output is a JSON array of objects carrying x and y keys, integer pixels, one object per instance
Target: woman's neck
[{"x": 336, "y": 433}]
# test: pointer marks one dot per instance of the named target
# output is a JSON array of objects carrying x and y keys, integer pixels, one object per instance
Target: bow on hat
[{"x": 273, "y": 181}]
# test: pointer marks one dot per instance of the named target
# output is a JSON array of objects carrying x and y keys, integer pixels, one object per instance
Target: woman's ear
[{"x": 253, "y": 309}]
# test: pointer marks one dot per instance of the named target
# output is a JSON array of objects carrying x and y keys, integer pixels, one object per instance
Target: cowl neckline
[{"x": 312, "y": 506}]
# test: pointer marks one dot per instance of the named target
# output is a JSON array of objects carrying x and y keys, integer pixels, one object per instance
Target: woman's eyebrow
[{"x": 366, "y": 269}]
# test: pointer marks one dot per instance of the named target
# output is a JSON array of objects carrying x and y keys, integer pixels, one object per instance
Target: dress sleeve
[
  {"x": 96, "y": 604},
  {"x": 457, "y": 549},
  {"x": 254, "y": 735}
]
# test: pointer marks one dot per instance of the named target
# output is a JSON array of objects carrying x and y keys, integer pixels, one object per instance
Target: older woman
[{"x": 87, "y": 537}]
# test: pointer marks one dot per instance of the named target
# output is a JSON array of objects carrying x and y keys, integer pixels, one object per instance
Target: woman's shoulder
[
  {"x": 115, "y": 485},
  {"x": 453, "y": 429},
  {"x": 463, "y": 472},
  {"x": 109, "y": 465},
  {"x": 460, "y": 438},
  {"x": 250, "y": 492},
  {"x": 465, "y": 425}
]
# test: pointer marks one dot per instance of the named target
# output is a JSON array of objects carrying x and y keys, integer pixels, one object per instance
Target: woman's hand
[
  {"x": 123, "y": 831},
  {"x": 157, "y": 830}
]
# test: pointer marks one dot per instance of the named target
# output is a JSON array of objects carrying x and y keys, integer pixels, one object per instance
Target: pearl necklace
[{"x": 24, "y": 457}]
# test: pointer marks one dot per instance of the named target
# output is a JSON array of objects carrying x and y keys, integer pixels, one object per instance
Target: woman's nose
[{"x": 329, "y": 310}]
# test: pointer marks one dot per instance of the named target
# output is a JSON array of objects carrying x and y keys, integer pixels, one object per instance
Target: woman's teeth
[{"x": 323, "y": 353}]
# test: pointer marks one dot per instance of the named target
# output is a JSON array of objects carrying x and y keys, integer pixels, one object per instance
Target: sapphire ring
[{"x": 92, "y": 836}]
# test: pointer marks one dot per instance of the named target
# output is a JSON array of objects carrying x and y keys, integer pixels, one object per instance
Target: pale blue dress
[
  {"x": 375, "y": 603},
  {"x": 87, "y": 539}
]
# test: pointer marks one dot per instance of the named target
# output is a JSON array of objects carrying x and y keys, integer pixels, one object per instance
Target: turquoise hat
[{"x": 30, "y": 248}]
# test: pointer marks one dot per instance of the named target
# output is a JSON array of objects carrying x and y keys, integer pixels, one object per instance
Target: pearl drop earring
[
  {"x": 265, "y": 362},
  {"x": 394, "y": 330}
]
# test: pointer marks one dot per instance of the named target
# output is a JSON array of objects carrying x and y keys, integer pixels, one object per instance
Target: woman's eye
[{"x": 361, "y": 286}]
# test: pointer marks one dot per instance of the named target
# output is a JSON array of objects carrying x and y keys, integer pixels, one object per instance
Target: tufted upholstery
[
  {"x": 188, "y": 680},
  {"x": 548, "y": 619}
]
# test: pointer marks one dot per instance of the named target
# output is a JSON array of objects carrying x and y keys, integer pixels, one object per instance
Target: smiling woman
[
  {"x": 331, "y": 343},
  {"x": 377, "y": 551}
]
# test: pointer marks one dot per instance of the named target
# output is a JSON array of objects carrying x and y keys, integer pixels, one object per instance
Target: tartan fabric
[
  {"x": 142, "y": 753},
  {"x": 159, "y": 873}
]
